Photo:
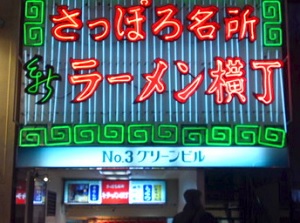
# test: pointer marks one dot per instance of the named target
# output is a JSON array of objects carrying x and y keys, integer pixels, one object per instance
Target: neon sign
[
  {"x": 102, "y": 73},
  {"x": 228, "y": 80},
  {"x": 229, "y": 77},
  {"x": 38, "y": 78},
  {"x": 239, "y": 21}
]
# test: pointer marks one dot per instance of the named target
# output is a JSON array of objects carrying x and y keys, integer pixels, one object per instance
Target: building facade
[{"x": 11, "y": 65}]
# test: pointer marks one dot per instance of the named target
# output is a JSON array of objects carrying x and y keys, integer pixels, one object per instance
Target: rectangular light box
[{"x": 104, "y": 192}]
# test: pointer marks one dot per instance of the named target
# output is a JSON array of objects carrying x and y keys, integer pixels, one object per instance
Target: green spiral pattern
[
  {"x": 34, "y": 33},
  {"x": 112, "y": 134},
  {"x": 246, "y": 135},
  {"x": 59, "y": 136},
  {"x": 219, "y": 136},
  {"x": 86, "y": 134},
  {"x": 272, "y": 21},
  {"x": 167, "y": 134},
  {"x": 193, "y": 136},
  {"x": 139, "y": 133},
  {"x": 150, "y": 134},
  {"x": 32, "y": 136},
  {"x": 272, "y": 137}
]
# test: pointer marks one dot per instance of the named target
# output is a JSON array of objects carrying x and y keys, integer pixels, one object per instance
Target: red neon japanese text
[
  {"x": 104, "y": 23},
  {"x": 167, "y": 19},
  {"x": 155, "y": 82},
  {"x": 146, "y": 3},
  {"x": 91, "y": 80},
  {"x": 184, "y": 94},
  {"x": 267, "y": 68},
  {"x": 134, "y": 32},
  {"x": 228, "y": 80},
  {"x": 200, "y": 26},
  {"x": 182, "y": 66},
  {"x": 119, "y": 78},
  {"x": 128, "y": 23},
  {"x": 241, "y": 23},
  {"x": 66, "y": 19}
]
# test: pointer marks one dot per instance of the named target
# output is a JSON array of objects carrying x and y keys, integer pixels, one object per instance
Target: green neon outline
[
  {"x": 165, "y": 139},
  {"x": 140, "y": 128},
  {"x": 191, "y": 133},
  {"x": 274, "y": 137},
  {"x": 270, "y": 26},
  {"x": 30, "y": 132},
  {"x": 61, "y": 132},
  {"x": 246, "y": 130},
  {"x": 33, "y": 22},
  {"x": 219, "y": 131},
  {"x": 265, "y": 139},
  {"x": 51, "y": 77},
  {"x": 31, "y": 67},
  {"x": 83, "y": 131},
  {"x": 117, "y": 137}
]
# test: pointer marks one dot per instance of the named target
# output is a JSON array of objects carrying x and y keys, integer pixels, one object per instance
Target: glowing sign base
[{"x": 152, "y": 157}]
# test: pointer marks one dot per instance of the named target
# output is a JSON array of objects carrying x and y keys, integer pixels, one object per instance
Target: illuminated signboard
[
  {"x": 39, "y": 193},
  {"x": 115, "y": 192},
  {"x": 153, "y": 83}
]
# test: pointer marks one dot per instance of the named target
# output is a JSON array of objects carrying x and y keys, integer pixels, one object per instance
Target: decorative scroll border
[
  {"x": 34, "y": 16},
  {"x": 272, "y": 22},
  {"x": 152, "y": 135}
]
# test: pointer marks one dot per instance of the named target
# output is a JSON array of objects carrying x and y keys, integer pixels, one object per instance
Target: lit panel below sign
[
  {"x": 104, "y": 192},
  {"x": 147, "y": 192},
  {"x": 39, "y": 193},
  {"x": 82, "y": 192},
  {"x": 153, "y": 157}
]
